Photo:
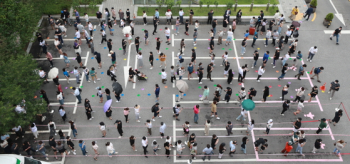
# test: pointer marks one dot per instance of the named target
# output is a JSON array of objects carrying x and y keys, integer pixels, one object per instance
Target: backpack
[
  {"x": 153, "y": 108},
  {"x": 80, "y": 90},
  {"x": 108, "y": 72},
  {"x": 317, "y": 70}
]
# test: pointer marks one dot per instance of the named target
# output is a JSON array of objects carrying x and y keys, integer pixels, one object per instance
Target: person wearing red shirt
[
  {"x": 196, "y": 111},
  {"x": 287, "y": 148}
]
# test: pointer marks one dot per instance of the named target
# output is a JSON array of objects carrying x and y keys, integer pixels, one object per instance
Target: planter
[
  {"x": 327, "y": 23},
  {"x": 307, "y": 1}
]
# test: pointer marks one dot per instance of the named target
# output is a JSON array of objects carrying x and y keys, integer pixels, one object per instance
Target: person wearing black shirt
[
  {"x": 336, "y": 33},
  {"x": 261, "y": 14},
  {"x": 52, "y": 144},
  {"x": 239, "y": 16},
  {"x": 258, "y": 142},
  {"x": 271, "y": 23},
  {"x": 110, "y": 26},
  {"x": 297, "y": 125},
  {"x": 211, "y": 45},
  {"x": 193, "y": 58},
  {"x": 317, "y": 145},
  {"x": 258, "y": 23},
  {"x": 210, "y": 16},
  {"x": 65, "y": 17},
  {"x": 150, "y": 59},
  {"x": 209, "y": 70},
  {"x": 285, "y": 106},
  {"x": 113, "y": 57},
  {"x": 119, "y": 126},
  {"x": 191, "y": 16},
  {"x": 215, "y": 22},
  {"x": 167, "y": 147},
  {"x": 98, "y": 59},
  {"x": 200, "y": 72},
  {"x": 124, "y": 42},
  {"x": 27, "y": 148},
  {"x": 252, "y": 93},
  {"x": 158, "y": 45},
  {"x": 70, "y": 145},
  {"x": 155, "y": 24},
  {"x": 137, "y": 44},
  {"x": 109, "y": 45},
  {"x": 228, "y": 94},
  {"x": 99, "y": 16},
  {"x": 283, "y": 71},
  {"x": 78, "y": 59},
  {"x": 127, "y": 15}
]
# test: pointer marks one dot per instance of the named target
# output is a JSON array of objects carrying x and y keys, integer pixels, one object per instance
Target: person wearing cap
[
  {"x": 287, "y": 148},
  {"x": 323, "y": 124},
  {"x": 336, "y": 34},
  {"x": 252, "y": 93},
  {"x": 313, "y": 93},
  {"x": 334, "y": 87}
]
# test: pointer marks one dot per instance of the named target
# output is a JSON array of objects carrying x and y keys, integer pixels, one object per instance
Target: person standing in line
[
  {"x": 109, "y": 45},
  {"x": 181, "y": 15},
  {"x": 95, "y": 148},
  {"x": 207, "y": 152},
  {"x": 268, "y": 126},
  {"x": 222, "y": 149},
  {"x": 34, "y": 130},
  {"x": 162, "y": 129},
  {"x": 139, "y": 59},
  {"x": 83, "y": 147},
  {"x": 144, "y": 16},
  {"x": 261, "y": 71},
  {"x": 243, "y": 145},
  {"x": 211, "y": 45},
  {"x": 164, "y": 76},
  {"x": 250, "y": 127},
  {"x": 156, "y": 92},
  {"x": 312, "y": 52},
  {"x": 255, "y": 37},
  {"x": 167, "y": 149},
  {"x": 232, "y": 148},
  {"x": 155, "y": 147},
  {"x": 284, "y": 91},
  {"x": 339, "y": 145},
  {"x": 276, "y": 57},
  {"x": 52, "y": 128},
  {"x": 229, "y": 127},
  {"x": 288, "y": 147},
  {"x": 220, "y": 35},
  {"x": 179, "y": 148},
  {"x": 317, "y": 71},
  {"x": 110, "y": 149},
  {"x": 337, "y": 116},
  {"x": 193, "y": 150},
  {"x": 137, "y": 112},
  {"x": 301, "y": 144},
  {"x": 132, "y": 142},
  {"x": 283, "y": 71},
  {"x": 88, "y": 109},
  {"x": 70, "y": 144},
  {"x": 162, "y": 58},
  {"x": 150, "y": 59},
  {"x": 144, "y": 145},
  {"x": 301, "y": 71},
  {"x": 334, "y": 87},
  {"x": 255, "y": 58},
  {"x": 228, "y": 94},
  {"x": 242, "y": 95},
  {"x": 244, "y": 45},
  {"x": 155, "y": 24},
  {"x": 313, "y": 93},
  {"x": 177, "y": 111},
  {"x": 207, "y": 127},
  {"x": 323, "y": 124},
  {"x": 214, "y": 141},
  {"x": 266, "y": 93},
  {"x": 300, "y": 107},
  {"x": 103, "y": 129},
  {"x": 268, "y": 36},
  {"x": 119, "y": 127},
  {"x": 149, "y": 127},
  {"x": 126, "y": 114},
  {"x": 317, "y": 145},
  {"x": 196, "y": 110},
  {"x": 210, "y": 69},
  {"x": 172, "y": 74},
  {"x": 336, "y": 34},
  {"x": 62, "y": 113},
  {"x": 210, "y": 16},
  {"x": 244, "y": 115},
  {"x": 200, "y": 72},
  {"x": 252, "y": 93},
  {"x": 285, "y": 106},
  {"x": 52, "y": 144},
  {"x": 214, "y": 110},
  {"x": 205, "y": 95},
  {"x": 41, "y": 149},
  {"x": 187, "y": 27},
  {"x": 156, "y": 111},
  {"x": 77, "y": 74}
]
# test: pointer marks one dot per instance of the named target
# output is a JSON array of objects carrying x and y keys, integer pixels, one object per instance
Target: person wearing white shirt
[
  {"x": 77, "y": 74},
  {"x": 110, "y": 149},
  {"x": 95, "y": 148},
  {"x": 181, "y": 14},
  {"x": 168, "y": 15},
  {"x": 91, "y": 28},
  {"x": 261, "y": 71},
  {"x": 164, "y": 75},
  {"x": 250, "y": 127},
  {"x": 268, "y": 36},
  {"x": 243, "y": 114},
  {"x": 275, "y": 36},
  {"x": 62, "y": 113},
  {"x": 77, "y": 94},
  {"x": 63, "y": 29},
  {"x": 52, "y": 128},
  {"x": 224, "y": 58},
  {"x": 162, "y": 129},
  {"x": 288, "y": 34},
  {"x": 86, "y": 16},
  {"x": 229, "y": 37},
  {"x": 144, "y": 16},
  {"x": 19, "y": 131},
  {"x": 34, "y": 130},
  {"x": 312, "y": 52},
  {"x": 285, "y": 58},
  {"x": 77, "y": 34},
  {"x": 43, "y": 75},
  {"x": 144, "y": 145},
  {"x": 242, "y": 95},
  {"x": 137, "y": 112},
  {"x": 60, "y": 97},
  {"x": 139, "y": 59},
  {"x": 276, "y": 17},
  {"x": 240, "y": 75},
  {"x": 103, "y": 129},
  {"x": 167, "y": 35},
  {"x": 20, "y": 109},
  {"x": 87, "y": 36}
]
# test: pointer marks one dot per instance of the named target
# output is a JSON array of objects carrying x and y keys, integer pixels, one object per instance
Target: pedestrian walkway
[
  {"x": 288, "y": 5},
  {"x": 119, "y": 4}
]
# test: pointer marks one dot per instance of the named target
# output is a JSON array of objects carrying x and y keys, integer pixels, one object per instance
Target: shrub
[
  {"x": 229, "y": 5},
  {"x": 216, "y": 3},
  {"x": 200, "y": 4},
  {"x": 329, "y": 16},
  {"x": 313, "y": 3},
  {"x": 179, "y": 3},
  {"x": 208, "y": 3}
]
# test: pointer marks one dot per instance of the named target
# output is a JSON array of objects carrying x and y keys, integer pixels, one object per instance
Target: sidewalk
[
  {"x": 118, "y": 4},
  {"x": 288, "y": 5}
]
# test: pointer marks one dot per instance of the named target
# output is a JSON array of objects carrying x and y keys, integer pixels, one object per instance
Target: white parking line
[
  {"x": 42, "y": 131},
  {"x": 70, "y": 79},
  {"x": 65, "y": 103},
  {"x": 73, "y": 58},
  {"x": 81, "y": 81},
  {"x": 230, "y": 102},
  {"x": 224, "y": 129},
  {"x": 216, "y": 160},
  {"x": 247, "y": 78},
  {"x": 229, "y": 58}
]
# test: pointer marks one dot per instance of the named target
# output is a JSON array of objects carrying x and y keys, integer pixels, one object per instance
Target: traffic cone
[
  {"x": 323, "y": 87},
  {"x": 311, "y": 70}
]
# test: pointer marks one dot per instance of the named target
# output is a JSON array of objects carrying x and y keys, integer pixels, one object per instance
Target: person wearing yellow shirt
[{"x": 294, "y": 13}]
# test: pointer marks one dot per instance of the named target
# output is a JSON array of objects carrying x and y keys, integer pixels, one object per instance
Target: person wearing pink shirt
[{"x": 196, "y": 111}]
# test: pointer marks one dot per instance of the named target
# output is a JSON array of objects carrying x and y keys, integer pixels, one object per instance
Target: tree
[
  {"x": 18, "y": 79},
  {"x": 179, "y": 3},
  {"x": 200, "y": 4},
  {"x": 92, "y": 4},
  {"x": 159, "y": 3},
  {"x": 216, "y": 3},
  {"x": 208, "y": 2},
  {"x": 170, "y": 4}
]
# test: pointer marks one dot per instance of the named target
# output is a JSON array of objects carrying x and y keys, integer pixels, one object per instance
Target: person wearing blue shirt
[
  {"x": 82, "y": 147},
  {"x": 301, "y": 71},
  {"x": 66, "y": 74},
  {"x": 266, "y": 57},
  {"x": 308, "y": 12},
  {"x": 246, "y": 34},
  {"x": 207, "y": 152},
  {"x": 157, "y": 14},
  {"x": 232, "y": 148},
  {"x": 190, "y": 70},
  {"x": 156, "y": 92},
  {"x": 255, "y": 37}
]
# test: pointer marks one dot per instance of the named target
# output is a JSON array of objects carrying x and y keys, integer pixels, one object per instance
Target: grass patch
[
  {"x": 88, "y": 10},
  {"x": 204, "y": 11},
  {"x": 83, "y": 2},
  {"x": 244, "y": 2},
  {"x": 55, "y": 6}
]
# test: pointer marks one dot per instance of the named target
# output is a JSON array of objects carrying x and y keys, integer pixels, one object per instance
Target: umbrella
[
  {"x": 53, "y": 73},
  {"x": 126, "y": 30},
  {"x": 296, "y": 23},
  {"x": 117, "y": 88},
  {"x": 107, "y": 105},
  {"x": 181, "y": 86},
  {"x": 248, "y": 104}
]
